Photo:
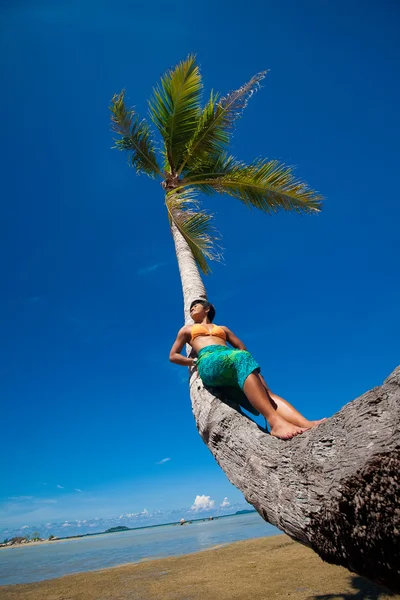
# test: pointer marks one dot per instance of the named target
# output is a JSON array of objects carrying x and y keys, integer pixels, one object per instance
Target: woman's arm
[
  {"x": 236, "y": 343},
  {"x": 233, "y": 340},
  {"x": 175, "y": 355}
]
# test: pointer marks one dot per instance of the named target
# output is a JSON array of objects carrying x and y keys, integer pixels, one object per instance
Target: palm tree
[{"x": 191, "y": 160}]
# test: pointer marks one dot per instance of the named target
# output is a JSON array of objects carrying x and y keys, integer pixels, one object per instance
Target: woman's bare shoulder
[{"x": 185, "y": 330}]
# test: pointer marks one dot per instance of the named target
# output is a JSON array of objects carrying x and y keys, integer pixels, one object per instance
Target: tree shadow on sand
[{"x": 363, "y": 590}]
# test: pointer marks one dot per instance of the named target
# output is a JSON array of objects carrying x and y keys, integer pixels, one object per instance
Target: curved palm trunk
[
  {"x": 192, "y": 284},
  {"x": 335, "y": 488}
]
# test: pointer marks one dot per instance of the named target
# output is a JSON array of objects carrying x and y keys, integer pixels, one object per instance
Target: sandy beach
[{"x": 266, "y": 568}]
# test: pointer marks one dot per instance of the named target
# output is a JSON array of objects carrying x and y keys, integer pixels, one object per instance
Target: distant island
[
  {"x": 244, "y": 512},
  {"x": 116, "y": 529}
]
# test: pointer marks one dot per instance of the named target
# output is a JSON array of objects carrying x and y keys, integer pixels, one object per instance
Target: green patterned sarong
[{"x": 219, "y": 366}]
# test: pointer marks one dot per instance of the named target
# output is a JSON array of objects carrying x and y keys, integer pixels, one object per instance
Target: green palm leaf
[
  {"x": 264, "y": 184},
  {"x": 194, "y": 225},
  {"x": 175, "y": 107},
  {"x": 135, "y": 138},
  {"x": 216, "y": 121},
  {"x": 195, "y": 158},
  {"x": 208, "y": 168}
]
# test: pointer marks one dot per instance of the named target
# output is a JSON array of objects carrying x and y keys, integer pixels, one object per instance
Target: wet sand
[{"x": 273, "y": 568}]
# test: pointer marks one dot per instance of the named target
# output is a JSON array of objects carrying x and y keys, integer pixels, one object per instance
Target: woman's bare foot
[{"x": 284, "y": 430}]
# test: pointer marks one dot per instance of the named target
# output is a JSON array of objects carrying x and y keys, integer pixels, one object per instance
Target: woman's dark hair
[{"x": 206, "y": 304}]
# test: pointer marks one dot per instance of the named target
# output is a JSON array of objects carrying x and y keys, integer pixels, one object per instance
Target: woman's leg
[
  {"x": 258, "y": 396},
  {"x": 287, "y": 411}
]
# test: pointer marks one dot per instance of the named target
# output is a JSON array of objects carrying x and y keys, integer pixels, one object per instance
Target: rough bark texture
[
  {"x": 335, "y": 488},
  {"x": 192, "y": 285}
]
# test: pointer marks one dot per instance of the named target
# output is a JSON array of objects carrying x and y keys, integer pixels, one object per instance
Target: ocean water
[{"x": 35, "y": 563}]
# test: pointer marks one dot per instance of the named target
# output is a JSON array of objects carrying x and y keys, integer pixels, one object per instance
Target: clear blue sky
[{"x": 91, "y": 298}]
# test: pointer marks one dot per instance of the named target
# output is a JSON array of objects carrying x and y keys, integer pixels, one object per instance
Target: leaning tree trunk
[{"x": 335, "y": 488}]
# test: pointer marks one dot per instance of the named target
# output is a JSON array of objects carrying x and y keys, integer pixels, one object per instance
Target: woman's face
[{"x": 198, "y": 312}]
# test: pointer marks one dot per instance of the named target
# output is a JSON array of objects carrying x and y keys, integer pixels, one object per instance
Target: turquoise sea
[{"x": 45, "y": 561}]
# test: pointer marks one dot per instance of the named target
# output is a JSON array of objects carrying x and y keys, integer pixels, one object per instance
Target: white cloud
[
  {"x": 202, "y": 503},
  {"x": 20, "y": 498},
  {"x": 162, "y": 461},
  {"x": 77, "y": 490},
  {"x": 225, "y": 503},
  {"x": 25, "y": 527},
  {"x": 60, "y": 487},
  {"x": 150, "y": 268}
]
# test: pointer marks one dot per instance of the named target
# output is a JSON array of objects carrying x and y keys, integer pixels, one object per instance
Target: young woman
[{"x": 219, "y": 366}]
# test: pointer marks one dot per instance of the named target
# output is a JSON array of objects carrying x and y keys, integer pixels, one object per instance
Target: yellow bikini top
[{"x": 198, "y": 329}]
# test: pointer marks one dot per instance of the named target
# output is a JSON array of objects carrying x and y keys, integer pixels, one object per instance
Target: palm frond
[
  {"x": 194, "y": 225},
  {"x": 136, "y": 138},
  {"x": 216, "y": 121},
  {"x": 207, "y": 168},
  {"x": 264, "y": 184},
  {"x": 175, "y": 107}
]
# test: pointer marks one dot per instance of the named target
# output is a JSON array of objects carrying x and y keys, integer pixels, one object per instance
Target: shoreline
[
  {"x": 272, "y": 567},
  {"x": 99, "y": 533},
  {"x": 42, "y": 543}
]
